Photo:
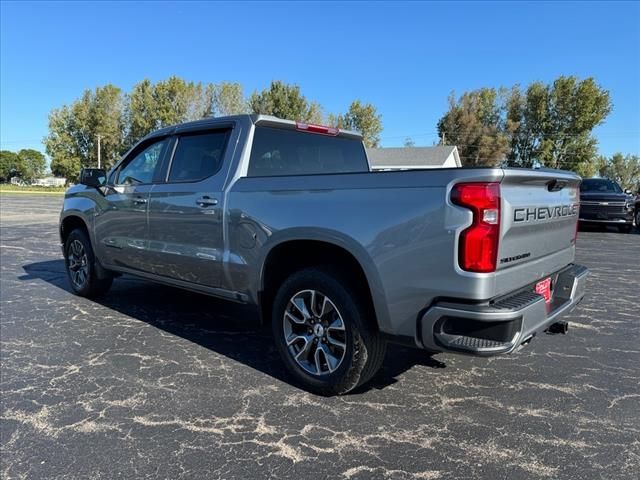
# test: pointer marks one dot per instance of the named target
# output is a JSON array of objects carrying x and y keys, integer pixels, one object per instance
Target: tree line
[
  {"x": 548, "y": 125},
  {"x": 542, "y": 125},
  {"x": 121, "y": 119},
  {"x": 26, "y": 164}
]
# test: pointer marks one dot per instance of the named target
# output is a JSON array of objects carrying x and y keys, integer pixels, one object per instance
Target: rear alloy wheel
[
  {"x": 323, "y": 332},
  {"x": 314, "y": 332}
]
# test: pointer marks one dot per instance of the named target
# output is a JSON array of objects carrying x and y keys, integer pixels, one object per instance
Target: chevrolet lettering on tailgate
[{"x": 534, "y": 214}]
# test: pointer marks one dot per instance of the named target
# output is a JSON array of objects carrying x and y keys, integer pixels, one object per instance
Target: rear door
[
  {"x": 186, "y": 210},
  {"x": 539, "y": 215},
  {"x": 121, "y": 225}
]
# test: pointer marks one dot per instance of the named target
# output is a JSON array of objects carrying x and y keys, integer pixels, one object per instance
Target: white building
[
  {"x": 50, "y": 181},
  {"x": 405, "y": 158}
]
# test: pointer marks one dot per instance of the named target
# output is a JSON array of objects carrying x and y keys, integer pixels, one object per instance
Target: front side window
[
  {"x": 143, "y": 165},
  {"x": 198, "y": 156},
  {"x": 277, "y": 151}
]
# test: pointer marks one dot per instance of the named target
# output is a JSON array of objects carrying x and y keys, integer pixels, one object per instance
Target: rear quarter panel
[{"x": 398, "y": 225}]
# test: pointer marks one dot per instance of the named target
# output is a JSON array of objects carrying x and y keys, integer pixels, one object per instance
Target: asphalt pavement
[{"x": 155, "y": 382}]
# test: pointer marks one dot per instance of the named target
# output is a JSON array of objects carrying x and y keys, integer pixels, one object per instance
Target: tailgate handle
[{"x": 556, "y": 185}]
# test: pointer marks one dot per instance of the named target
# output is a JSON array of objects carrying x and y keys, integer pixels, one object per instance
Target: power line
[{"x": 495, "y": 134}]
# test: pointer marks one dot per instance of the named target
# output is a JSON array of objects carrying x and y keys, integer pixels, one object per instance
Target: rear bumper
[{"x": 504, "y": 324}]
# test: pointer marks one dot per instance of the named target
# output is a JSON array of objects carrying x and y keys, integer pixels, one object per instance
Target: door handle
[
  {"x": 139, "y": 201},
  {"x": 206, "y": 202}
]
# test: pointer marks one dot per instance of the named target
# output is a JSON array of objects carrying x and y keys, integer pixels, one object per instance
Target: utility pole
[
  {"x": 98, "y": 151},
  {"x": 444, "y": 138}
]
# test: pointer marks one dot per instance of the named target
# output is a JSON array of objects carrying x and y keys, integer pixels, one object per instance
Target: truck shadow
[{"x": 229, "y": 329}]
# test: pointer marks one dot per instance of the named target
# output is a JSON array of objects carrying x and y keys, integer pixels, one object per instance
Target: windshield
[{"x": 600, "y": 186}]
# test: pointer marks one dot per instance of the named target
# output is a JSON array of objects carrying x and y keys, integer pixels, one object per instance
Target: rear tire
[
  {"x": 80, "y": 263},
  {"x": 321, "y": 329}
]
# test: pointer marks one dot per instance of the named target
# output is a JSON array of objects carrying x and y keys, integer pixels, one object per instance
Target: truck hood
[{"x": 604, "y": 197}]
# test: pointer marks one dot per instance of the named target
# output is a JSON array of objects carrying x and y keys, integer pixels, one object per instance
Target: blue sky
[{"x": 405, "y": 58}]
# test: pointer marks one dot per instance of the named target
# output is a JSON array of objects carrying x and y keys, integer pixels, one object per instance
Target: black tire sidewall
[
  {"x": 347, "y": 375},
  {"x": 79, "y": 235}
]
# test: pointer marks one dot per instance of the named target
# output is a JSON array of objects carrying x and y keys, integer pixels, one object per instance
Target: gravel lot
[{"x": 153, "y": 382}]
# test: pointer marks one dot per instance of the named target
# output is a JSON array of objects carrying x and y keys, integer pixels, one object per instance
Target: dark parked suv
[{"x": 602, "y": 201}]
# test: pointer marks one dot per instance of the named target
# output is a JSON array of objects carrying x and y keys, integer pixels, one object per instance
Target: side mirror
[
  {"x": 93, "y": 177},
  {"x": 627, "y": 191}
]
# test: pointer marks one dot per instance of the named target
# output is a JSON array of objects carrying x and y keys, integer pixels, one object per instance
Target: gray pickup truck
[{"x": 338, "y": 259}]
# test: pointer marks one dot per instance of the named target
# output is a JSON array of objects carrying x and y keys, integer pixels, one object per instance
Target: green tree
[
  {"x": 10, "y": 165},
  {"x": 552, "y": 124},
  {"x": 409, "y": 142},
  {"x": 228, "y": 99},
  {"x": 475, "y": 123},
  {"x": 526, "y": 116},
  {"x": 62, "y": 144},
  {"x": 140, "y": 112},
  {"x": 285, "y": 101},
  {"x": 624, "y": 169},
  {"x": 72, "y": 141},
  {"x": 152, "y": 106},
  {"x": 362, "y": 118},
  {"x": 32, "y": 164},
  {"x": 66, "y": 167}
]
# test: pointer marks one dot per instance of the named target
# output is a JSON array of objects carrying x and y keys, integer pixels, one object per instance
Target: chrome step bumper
[{"x": 504, "y": 324}]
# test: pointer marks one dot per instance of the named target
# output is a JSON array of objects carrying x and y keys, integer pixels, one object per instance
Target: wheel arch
[
  {"x": 71, "y": 222},
  {"x": 292, "y": 252}
]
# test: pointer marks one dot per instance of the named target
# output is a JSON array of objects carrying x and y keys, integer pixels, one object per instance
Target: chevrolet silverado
[{"x": 338, "y": 259}]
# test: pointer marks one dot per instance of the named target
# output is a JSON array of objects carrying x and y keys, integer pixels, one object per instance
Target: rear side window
[
  {"x": 198, "y": 156},
  {"x": 277, "y": 152}
]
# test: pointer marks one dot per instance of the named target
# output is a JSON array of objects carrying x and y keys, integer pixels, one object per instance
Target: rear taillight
[
  {"x": 321, "y": 129},
  {"x": 478, "y": 245}
]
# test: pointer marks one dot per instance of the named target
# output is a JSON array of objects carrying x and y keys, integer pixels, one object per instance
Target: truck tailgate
[{"x": 539, "y": 215}]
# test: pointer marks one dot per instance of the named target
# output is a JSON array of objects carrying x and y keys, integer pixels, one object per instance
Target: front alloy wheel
[
  {"x": 314, "y": 332},
  {"x": 78, "y": 264}
]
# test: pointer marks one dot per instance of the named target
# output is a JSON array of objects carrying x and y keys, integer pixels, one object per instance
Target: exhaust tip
[{"x": 558, "y": 327}]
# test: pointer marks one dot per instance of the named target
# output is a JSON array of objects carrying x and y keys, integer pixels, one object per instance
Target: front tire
[
  {"x": 625, "y": 228},
  {"x": 81, "y": 267},
  {"x": 321, "y": 329}
]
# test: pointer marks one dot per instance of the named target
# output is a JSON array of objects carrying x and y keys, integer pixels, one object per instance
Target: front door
[
  {"x": 121, "y": 227},
  {"x": 185, "y": 212}
]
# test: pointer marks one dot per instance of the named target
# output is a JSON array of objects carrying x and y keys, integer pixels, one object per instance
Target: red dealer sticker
[{"x": 543, "y": 287}]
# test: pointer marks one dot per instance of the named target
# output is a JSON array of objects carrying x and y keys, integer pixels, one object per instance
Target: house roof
[{"x": 411, "y": 156}]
